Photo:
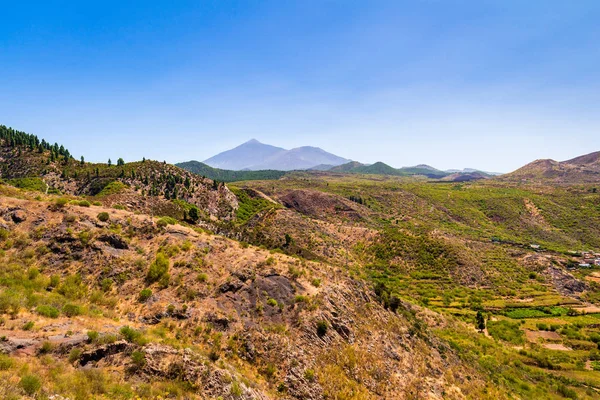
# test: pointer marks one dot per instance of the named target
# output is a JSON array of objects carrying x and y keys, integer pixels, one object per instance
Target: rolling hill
[
  {"x": 582, "y": 169},
  {"x": 224, "y": 175}
]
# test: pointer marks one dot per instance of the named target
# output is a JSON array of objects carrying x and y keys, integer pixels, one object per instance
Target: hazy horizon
[{"x": 458, "y": 84}]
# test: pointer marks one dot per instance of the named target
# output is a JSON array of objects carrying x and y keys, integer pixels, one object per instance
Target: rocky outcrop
[{"x": 166, "y": 362}]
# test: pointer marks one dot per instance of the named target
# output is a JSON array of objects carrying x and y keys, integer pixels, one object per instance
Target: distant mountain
[
  {"x": 423, "y": 169},
  {"x": 428, "y": 171},
  {"x": 582, "y": 169},
  {"x": 244, "y": 156},
  {"x": 255, "y": 156},
  {"x": 224, "y": 175},
  {"x": 472, "y": 171}
]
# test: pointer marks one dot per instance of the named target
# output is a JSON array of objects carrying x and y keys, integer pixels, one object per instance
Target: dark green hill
[
  {"x": 225, "y": 175},
  {"x": 380, "y": 168}
]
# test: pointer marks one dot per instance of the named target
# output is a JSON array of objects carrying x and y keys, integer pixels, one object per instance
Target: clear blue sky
[{"x": 487, "y": 84}]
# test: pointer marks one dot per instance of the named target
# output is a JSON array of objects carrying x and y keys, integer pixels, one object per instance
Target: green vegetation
[
  {"x": 33, "y": 184},
  {"x": 103, "y": 216},
  {"x": 144, "y": 295},
  {"x": 227, "y": 175},
  {"x": 506, "y": 330},
  {"x": 250, "y": 204},
  {"x": 30, "y": 384},
  {"x": 47, "y": 311},
  {"x": 158, "y": 269}
]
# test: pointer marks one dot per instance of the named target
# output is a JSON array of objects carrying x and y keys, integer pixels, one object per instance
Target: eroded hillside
[{"x": 117, "y": 306}]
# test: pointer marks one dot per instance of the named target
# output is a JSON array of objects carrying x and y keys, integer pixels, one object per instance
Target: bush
[
  {"x": 71, "y": 310},
  {"x": 83, "y": 203},
  {"x": 103, "y": 216},
  {"x": 93, "y": 336},
  {"x": 131, "y": 335},
  {"x": 272, "y": 302},
  {"x": 138, "y": 359},
  {"x": 322, "y": 328},
  {"x": 46, "y": 348},
  {"x": 158, "y": 268},
  {"x": 47, "y": 311},
  {"x": 74, "y": 355},
  {"x": 106, "y": 284},
  {"x": 60, "y": 202},
  {"x": 70, "y": 218},
  {"x": 309, "y": 375},
  {"x": 10, "y": 303},
  {"x": 30, "y": 384},
  {"x": 144, "y": 295},
  {"x": 5, "y": 362},
  {"x": 28, "y": 326}
]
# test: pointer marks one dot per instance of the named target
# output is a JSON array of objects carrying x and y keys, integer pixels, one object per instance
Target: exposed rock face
[
  {"x": 320, "y": 205},
  {"x": 115, "y": 241},
  {"x": 101, "y": 352},
  {"x": 566, "y": 283},
  {"x": 18, "y": 216},
  {"x": 166, "y": 362}
]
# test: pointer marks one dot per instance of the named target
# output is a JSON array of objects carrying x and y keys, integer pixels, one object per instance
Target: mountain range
[{"x": 254, "y": 155}]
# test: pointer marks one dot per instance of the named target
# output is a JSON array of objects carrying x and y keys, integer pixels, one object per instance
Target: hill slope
[
  {"x": 149, "y": 186},
  {"x": 224, "y": 175},
  {"x": 583, "y": 169}
]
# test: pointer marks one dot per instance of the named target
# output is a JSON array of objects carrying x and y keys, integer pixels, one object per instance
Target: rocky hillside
[
  {"x": 109, "y": 303},
  {"x": 583, "y": 169},
  {"x": 149, "y": 186}
]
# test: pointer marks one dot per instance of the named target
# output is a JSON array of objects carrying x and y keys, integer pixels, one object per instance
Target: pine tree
[
  {"x": 120, "y": 162},
  {"x": 480, "y": 321},
  {"x": 109, "y": 162},
  {"x": 82, "y": 160}
]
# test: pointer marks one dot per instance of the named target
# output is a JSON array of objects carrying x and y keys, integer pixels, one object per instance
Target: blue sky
[{"x": 486, "y": 84}]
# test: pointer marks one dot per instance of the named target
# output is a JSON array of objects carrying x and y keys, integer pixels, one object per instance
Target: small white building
[{"x": 584, "y": 265}]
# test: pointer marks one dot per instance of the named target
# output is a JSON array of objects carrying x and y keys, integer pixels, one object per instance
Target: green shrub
[
  {"x": 114, "y": 187},
  {"x": 106, "y": 284},
  {"x": 10, "y": 302},
  {"x": 103, "y": 216},
  {"x": 272, "y": 302},
  {"x": 71, "y": 310},
  {"x": 505, "y": 330},
  {"x": 132, "y": 335},
  {"x": 46, "y": 348},
  {"x": 30, "y": 384},
  {"x": 61, "y": 202},
  {"x": 144, "y": 295},
  {"x": 5, "y": 362},
  {"x": 316, "y": 282},
  {"x": 322, "y": 327},
  {"x": 93, "y": 336},
  {"x": 83, "y": 203},
  {"x": 47, "y": 311},
  {"x": 72, "y": 287},
  {"x": 28, "y": 326},
  {"x": 309, "y": 375},
  {"x": 158, "y": 269},
  {"x": 70, "y": 218},
  {"x": 74, "y": 355},
  {"x": 138, "y": 359}
]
